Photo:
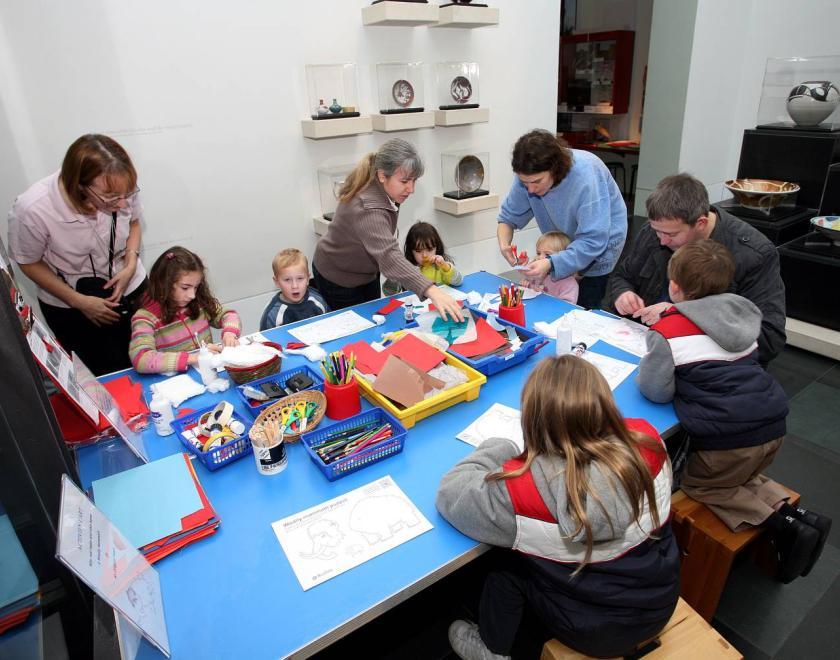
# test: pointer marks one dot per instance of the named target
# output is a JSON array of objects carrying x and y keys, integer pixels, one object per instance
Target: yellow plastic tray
[{"x": 410, "y": 416}]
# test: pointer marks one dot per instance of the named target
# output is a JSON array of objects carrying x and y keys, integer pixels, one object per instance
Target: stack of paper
[
  {"x": 18, "y": 584},
  {"x": 160, "y": 507}
]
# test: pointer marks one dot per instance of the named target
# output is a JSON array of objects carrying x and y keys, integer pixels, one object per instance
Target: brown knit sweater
[{"x": 360, "y": 243}]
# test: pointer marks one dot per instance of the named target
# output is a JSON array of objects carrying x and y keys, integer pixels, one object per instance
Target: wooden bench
[
  {"x": 708, "y": 549},
  {"x": 686, "y": 636}
]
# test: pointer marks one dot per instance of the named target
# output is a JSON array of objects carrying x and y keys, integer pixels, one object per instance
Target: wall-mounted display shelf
[
  {"x": 400, "y": 14},
  {"x": 406, "y": 122},
  {"x": 459, "y": 207},
  {"x": 466, "y": 16},
  {"x": 461, "y": 117},
  {"x": 318, "y": 130}
]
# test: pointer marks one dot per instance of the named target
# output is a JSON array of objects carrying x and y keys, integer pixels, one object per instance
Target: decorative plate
[
  {"x": 828, "y": 225},
  {"x": 460, "y": 89},
  {"x": 469, "y": 174},
  {"x": 403, "y": 93}
]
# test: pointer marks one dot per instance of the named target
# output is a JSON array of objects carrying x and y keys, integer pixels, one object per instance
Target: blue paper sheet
[
  {"x": 147, "y": 503},
  {"x": 17, "y": 579}
]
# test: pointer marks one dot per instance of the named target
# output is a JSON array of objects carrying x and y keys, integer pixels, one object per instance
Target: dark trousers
[
  {"x": 511, "y": 593},
  {"x": 339, "y": 297},
  {"x": 103, "y": 349},
  {"x": 592, "y": 291}
]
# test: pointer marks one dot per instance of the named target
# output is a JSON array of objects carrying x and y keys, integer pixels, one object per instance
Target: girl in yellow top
[{"x": 424, "y": 248}]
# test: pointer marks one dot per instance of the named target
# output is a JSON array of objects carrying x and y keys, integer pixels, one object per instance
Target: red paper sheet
[
  {"x": 368, "y": 360},
  {"x": 416, "y": 352},
  {"x": 129, "y": 397},
  {"x": 390, "y": 306},
  {"x": 487, "y": 340}
]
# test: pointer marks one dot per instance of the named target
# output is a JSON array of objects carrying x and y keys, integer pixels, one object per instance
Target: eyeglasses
[{"x": 108, "y": 201}]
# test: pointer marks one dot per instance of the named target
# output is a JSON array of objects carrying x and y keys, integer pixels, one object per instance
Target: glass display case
[
  {"x": 457, "y": 85},
  {"x": 330, "y": 180},
  {"x": 595, "y": 72},
  {"x": 332, "y": 90},
  {"x": 400, "y": 87},
  {"x": 465, "y": 174},
  {"x": 801, "y": 93}
]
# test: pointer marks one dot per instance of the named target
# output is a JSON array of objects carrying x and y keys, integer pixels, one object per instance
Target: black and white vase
[{"x": 811, "y": 102}]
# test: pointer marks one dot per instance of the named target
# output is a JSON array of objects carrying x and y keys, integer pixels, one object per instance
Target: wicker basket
[
  {"x": 242, "y": 375},
  {"x": 272, "y": 414}
]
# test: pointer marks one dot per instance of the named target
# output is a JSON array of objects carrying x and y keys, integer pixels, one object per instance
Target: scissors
[{"x": 521, "y": 259}]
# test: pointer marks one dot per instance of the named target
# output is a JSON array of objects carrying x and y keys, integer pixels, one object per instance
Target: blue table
[{"x": 235, "y": 595}]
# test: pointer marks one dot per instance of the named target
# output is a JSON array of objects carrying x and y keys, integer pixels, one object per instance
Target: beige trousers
[{"x": 730, "y": 483}]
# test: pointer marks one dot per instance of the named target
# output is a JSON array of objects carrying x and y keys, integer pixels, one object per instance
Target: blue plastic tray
[
  {"x": 281, "y": 378},
  {"x": 218, "y": 456},
  {"x": 493, "y": 364},
  {"x": 376, "y": 453}
]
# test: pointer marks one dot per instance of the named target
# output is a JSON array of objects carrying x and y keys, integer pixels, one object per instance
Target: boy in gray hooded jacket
[{"x": 702, "y": 354}]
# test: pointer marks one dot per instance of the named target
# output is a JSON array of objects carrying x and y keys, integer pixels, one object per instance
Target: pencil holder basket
[
  {"x": 342, "y": 400},
  {"x": 275, "y": 413},
  {"x": 242, "y": 375},
  {"x": 373, "y": 454},
  {"x": 513, "y": 314}
]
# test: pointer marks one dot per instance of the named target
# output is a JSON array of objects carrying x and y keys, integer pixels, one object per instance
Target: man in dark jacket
[{"x": 679, "y": 213}]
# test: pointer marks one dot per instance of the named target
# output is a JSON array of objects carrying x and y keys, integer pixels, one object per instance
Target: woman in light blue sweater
[{"x": 570, "y": 191}]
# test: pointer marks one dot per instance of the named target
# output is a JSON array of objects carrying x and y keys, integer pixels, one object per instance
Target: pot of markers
[
  {"x": 340, "y": 387},
  {"x": 512, "y": 308}
]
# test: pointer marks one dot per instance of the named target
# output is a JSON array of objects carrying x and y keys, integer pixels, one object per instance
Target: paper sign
[
  {"x": 333, "y": 537},
  {"x": 96, "y": 551},
  {"x": 401, "y": 382}
]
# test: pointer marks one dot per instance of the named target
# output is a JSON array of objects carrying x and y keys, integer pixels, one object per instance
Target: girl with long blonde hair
[{"x": 585, "y": 508}]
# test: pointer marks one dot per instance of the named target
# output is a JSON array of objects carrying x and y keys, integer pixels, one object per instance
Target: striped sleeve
[
  {"x": 228, "y": 321},
  {"x": 383, "y": 248},
  {"x": 145, "y": 358}
]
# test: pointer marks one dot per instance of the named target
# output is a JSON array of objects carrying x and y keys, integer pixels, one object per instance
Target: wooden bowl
[{"x": 761, "y": 194}]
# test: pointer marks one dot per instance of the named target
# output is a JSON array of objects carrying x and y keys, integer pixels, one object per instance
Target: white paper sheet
[
  {"x": 96, "y": 551},
  {"x": 330, "y": 538},
  {"x": 454, "y": 293},
  {"x": 615, "y": 371},
  {"x": 332, "y": 327},
  {"x": 622, "y": 333},
  {"x": 498, "y": 421}
]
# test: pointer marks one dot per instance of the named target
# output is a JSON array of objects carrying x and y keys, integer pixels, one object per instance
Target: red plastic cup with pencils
[
  {"x": 340, "y": 387},
  {"x": 511, "y": 307}
]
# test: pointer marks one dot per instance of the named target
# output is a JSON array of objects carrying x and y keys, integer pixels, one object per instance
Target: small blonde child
[
  {"x": 176, "y": 315},
  {"x": 566, "y": 288},
  {"x": 295, "y": 300},
  {"x": 424, "y": 248}
]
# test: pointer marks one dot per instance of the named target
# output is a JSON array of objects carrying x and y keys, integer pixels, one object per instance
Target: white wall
[
  {"x": 208, "y": 97},
  {"x": 704, "y": 87}
]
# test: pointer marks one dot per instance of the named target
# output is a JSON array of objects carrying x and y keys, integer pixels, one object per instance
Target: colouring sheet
[
  {"x": 615, "y": 371},
  {"x": 622, "y": 333},
  {"x": 332, "y": 327},
  {"x": 330, "y": 538},
  {"x": 498, "y": 421}
]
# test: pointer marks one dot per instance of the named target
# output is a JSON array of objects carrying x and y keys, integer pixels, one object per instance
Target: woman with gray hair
[{"x": 360, "y": 243}]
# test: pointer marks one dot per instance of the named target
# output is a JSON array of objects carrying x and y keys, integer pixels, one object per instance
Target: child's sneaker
[
  {"x": 795, "y": 545},
  {"x": 818, "y": 521},
  {"x": 467, "y": 643}
]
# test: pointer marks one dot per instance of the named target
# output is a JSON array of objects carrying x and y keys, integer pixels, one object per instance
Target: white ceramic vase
[{"x": 811, "y": 102}]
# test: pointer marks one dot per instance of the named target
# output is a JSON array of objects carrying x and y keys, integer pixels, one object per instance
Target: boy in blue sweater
[
  {"x": 703, "y": 355},
  {"x": 295, "y": 300}
]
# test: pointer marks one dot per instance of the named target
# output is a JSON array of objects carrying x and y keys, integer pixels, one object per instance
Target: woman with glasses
[{"x": 76, "y": 235}]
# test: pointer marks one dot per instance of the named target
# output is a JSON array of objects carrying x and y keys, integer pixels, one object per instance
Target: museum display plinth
[
  {"x": 400, "y": 14},
  {"x": 456, "y": 16},
  {"x": 459, "y": 207},
  {"x": 331, "y": 128},
  {"x": 403, "y": 122},
  {"x": 461, "y": 117}
]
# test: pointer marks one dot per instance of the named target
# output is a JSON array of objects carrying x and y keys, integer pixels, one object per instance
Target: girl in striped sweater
[{"x": 176, "y": 315}]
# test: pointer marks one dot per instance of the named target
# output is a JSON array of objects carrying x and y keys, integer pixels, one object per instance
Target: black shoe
[
  {"x": 795, "y": 544},
  {"x": 818, "y": 521}
]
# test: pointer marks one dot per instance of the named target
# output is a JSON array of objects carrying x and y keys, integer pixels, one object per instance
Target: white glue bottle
[
  {"x": 205, "y": 365},
  {"x": 564, "y": 340},
  {"x": 162, "y": 415}
]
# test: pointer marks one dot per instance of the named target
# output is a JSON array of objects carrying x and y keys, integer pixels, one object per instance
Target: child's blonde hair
[
  {"x": 568, "y": 411},
  {"x": 288, "y": 257},
  {"x": 554, "y": 241}
]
